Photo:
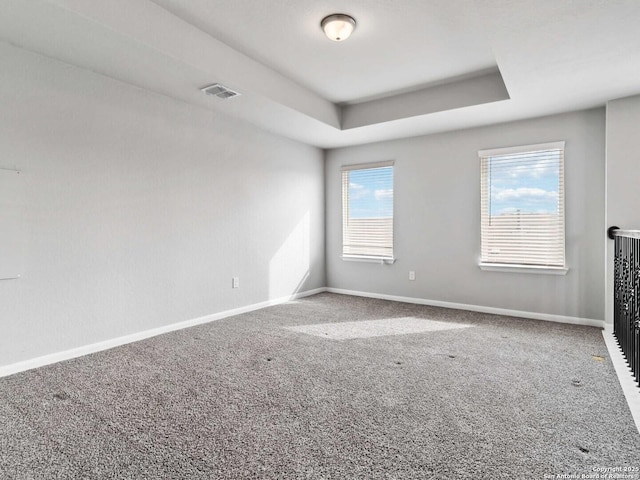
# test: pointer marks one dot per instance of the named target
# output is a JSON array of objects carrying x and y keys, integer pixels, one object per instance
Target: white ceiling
[
  {"x": 396, "y": 45},
  {"x": 411, "y": 67}
]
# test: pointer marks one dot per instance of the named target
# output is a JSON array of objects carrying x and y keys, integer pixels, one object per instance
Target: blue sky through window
[
  {"x": 526, "y": 183},
  {"x": 371, "y": 193}
]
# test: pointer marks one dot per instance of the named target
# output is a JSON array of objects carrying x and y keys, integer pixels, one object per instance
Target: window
[
  {"x": 522, "y": 204},
  {"x": 367, "y": 212}
]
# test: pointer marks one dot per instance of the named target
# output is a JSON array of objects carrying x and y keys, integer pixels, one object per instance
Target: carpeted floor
[{"x": 267, "y": 395}]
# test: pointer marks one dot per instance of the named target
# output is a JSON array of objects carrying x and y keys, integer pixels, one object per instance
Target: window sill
[
  {"x": 505, "y": 267},
  {"x": 362, "y": 258}
]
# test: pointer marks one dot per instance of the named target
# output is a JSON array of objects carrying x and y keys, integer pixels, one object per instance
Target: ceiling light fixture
[{"x": 338, "y": 26}]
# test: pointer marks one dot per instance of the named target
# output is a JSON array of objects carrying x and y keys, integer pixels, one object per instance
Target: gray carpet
[{"x": 247, "y": 397}]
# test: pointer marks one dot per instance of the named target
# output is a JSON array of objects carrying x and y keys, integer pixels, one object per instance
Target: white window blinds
[
  {"x": 367, "y": 210},
  {"x": 522, "y": 205}
]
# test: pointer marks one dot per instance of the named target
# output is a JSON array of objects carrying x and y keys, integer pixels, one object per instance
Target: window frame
[
  {"x": 346, "y": 169},
  {"x": 485, "y": 155}
]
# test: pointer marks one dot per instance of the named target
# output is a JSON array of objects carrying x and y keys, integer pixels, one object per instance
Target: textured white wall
[
  {"x": 623, "y": 176},
  {"x": 437, "y": 219},
  {"x": 139, "y": 209}
]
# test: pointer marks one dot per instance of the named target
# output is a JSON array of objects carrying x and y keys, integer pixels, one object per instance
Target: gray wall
[
  {"x": 623, "y": 175},
  {"x": 437, "y": 219},
  {"x": 139, "y": 209}
]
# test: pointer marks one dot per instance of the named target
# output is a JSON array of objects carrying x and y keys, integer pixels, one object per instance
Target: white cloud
[
  {"x": 385, "y": 193},
  {"x": 532, "y": 194},
  {"x": 538, "y": 169},
  {"x": 357, "y": 191}
]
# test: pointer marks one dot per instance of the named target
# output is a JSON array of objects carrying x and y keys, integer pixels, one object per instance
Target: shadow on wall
[{"x": 290, "y": 265}]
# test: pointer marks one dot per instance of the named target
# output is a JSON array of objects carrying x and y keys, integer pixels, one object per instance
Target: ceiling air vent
[{"x": 220, "y": 91}]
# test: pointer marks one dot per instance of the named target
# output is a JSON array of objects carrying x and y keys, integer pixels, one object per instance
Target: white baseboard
[
  {"x": 134, "y": 337},
  {"x": 627, "y": 382},
  {"x": 476, "y": 308}
]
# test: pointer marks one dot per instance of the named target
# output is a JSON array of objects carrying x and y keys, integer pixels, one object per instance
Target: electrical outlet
[
  {"x": 235, "y": 282},
  {"x": 412, "y": 275}
]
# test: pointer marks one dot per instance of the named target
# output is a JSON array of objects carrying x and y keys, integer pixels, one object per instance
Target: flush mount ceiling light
[{"x": 338, "y": 26}]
